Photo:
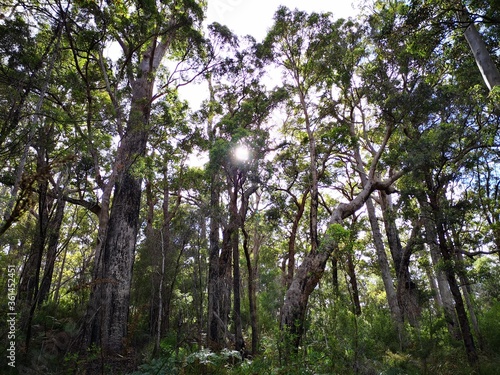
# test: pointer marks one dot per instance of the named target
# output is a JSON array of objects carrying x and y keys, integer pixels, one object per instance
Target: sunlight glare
[{"x": 242, "y": 153}]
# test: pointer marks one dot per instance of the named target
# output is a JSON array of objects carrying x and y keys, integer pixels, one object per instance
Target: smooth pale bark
[
  {"x": 470, "y": 347},
  {"x": 379, "y": 245},
  {"x": 485, "y": 63},
  {"x": 435, "y": 226},
  {"x": 446, "y": 299},
  {"x": 438, "y": 303},
  {"x": 385, "y": 270}
]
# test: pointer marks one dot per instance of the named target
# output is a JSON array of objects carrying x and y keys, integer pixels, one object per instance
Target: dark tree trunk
[
  {"x": 214, "y": 337},
  {"x": 107, "y": 313},
  {"x": 238, "y": 333},
  {"x": 111, "y": 293},
  {"x": 335, "y": 272},
  {"x": 351, "y": 271},
  {"x": 407, "y": 293},
  {"x": 54, "y": 231},
  {"x": 28, "y": 292},
  {"x": 252, "y": 297},
  {"x": 470, "y": 347}
]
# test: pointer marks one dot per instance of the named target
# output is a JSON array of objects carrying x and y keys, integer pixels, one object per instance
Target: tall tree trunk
[
  {"x": 385, "y": 271},
  {"x": 252, "y": 297},
  {"x": 292, "y": 240},
  {"x": 467, "y": 292},
  {"x": 238, "y": 333},
  {"x": 485, "y": 63},
  {"x": 470, "y": 347},
  {"x": 379, "y": 245},
  {"x": 214, "y": 338},
  {"x": 351, "y": 271},
  {"x": 252, "y": 266},
  {"x": 28, "y": 292},
  {"x": 107, "y": 313},
  {"x": 407, "y": 293},
  {"x": 310, "y": 271},
  {"x": 54, "y": 231},
  {"x": 448, "y": 258},
  {"x": 446, "y": 298}
]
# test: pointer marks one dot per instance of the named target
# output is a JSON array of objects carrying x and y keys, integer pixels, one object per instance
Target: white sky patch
[
  {"x": 241, "y": 153},
  {"x": 245, "y": 17}
]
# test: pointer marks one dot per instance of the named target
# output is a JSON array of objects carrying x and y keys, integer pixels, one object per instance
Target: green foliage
[
  {"x": 490, "y": 327},
  {"x": 338, "y": 233}
]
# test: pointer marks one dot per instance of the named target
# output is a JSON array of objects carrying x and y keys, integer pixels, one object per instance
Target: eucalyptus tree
[
  {"x": 475, "y": 22},
  {"x": 236, "y": 116},
  {"x": 314, "y": 53},
  {"x": 145, "y": 33},
  {"x": 440, "y": 134},
  {"x": 36, "y": 141}
]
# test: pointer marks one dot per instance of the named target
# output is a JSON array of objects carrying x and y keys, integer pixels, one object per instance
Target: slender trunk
[
  {"x": 160, "y": 297},
  {"x": 57, "y": 288},
  {"x": 407, "y": 293},
  {"x": 434, "y": 286},
  {"x": 448, "y": 259},
  {"x": 198, "y": 276},
  {"x": 295, "y": 305},
  {"x": 252, "y": 268},
  {"x": 238, "y": 334},
  {"x": 351, "y": 271},
  {"x": 252, "y": 297},
  {"x": 485, "y": 63},
  {"x": 335, "y": 272},
  {"x": 466, "y": 291},
  {"x": 215, "y": 340},
  {"x": 224, "y": 285},
  {"x": 446, "y": 297},
  {"x": 30, "y": 277},
  {"x": 385, "y": 271},
  {"x": 52, "y": 243},
  {"x": 379, "y": 245},
  {"x": 463, "y": 320}
]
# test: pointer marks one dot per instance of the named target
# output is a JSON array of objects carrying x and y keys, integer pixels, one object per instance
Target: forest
[{"x": 331, "y": 206}]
